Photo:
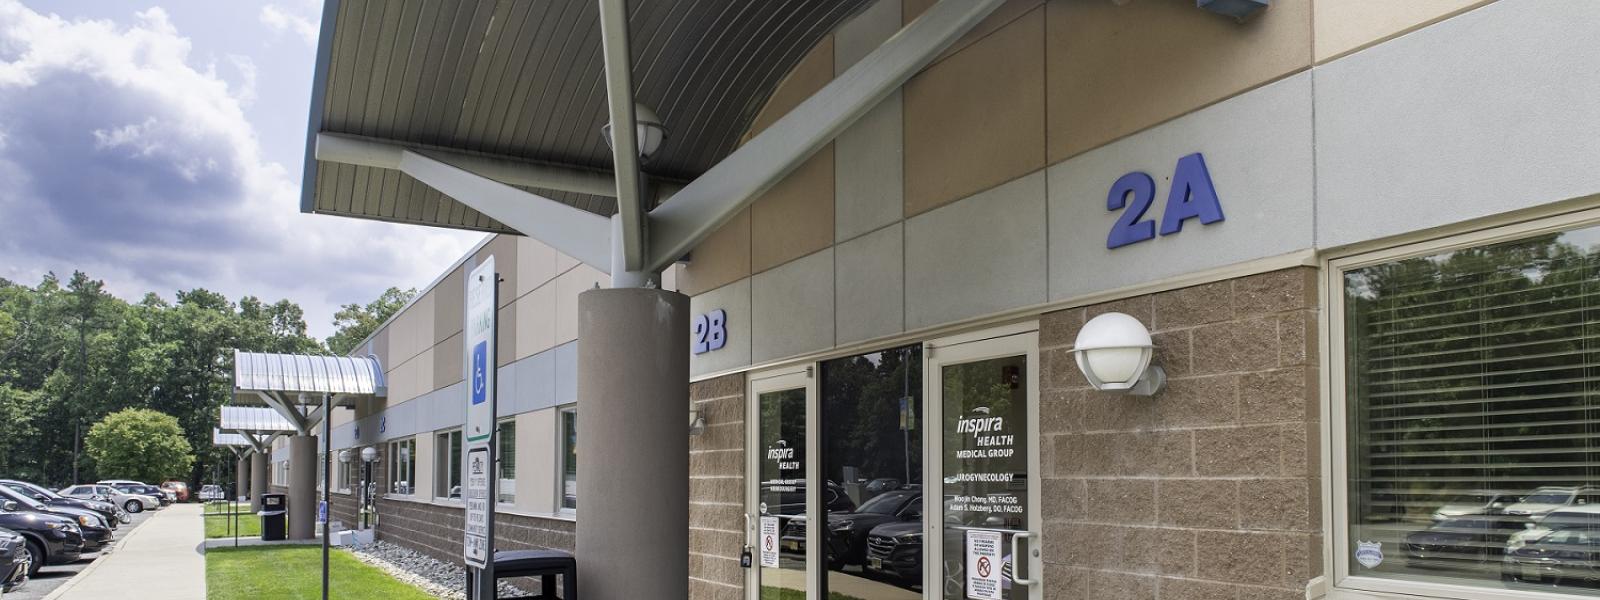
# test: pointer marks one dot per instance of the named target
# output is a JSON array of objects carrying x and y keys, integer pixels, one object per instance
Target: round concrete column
[
  {"x": 633, "y": 444},
  {"x": 259, "y": 463},
  {"x": 302, "y": 487},
  {"x": 241, "y": 477}
]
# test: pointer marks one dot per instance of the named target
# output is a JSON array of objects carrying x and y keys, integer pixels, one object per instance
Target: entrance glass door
[
  {"x": 779, "y": 466},
  {"x": 983, "y": 394}
]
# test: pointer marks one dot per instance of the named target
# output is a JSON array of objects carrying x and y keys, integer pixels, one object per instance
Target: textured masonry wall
[
  {"x": 716, "y": 490},
  {"x": 1208, "y": 490}
]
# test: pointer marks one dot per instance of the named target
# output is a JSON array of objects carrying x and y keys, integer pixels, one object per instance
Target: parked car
[
  {"x": 49, "y": 539},
  {"x": 1569, "y": 557},
  {"x": 95, "y": 530},
  {"x": 1585, "y": 517},
  {"x": 133, "y": 503},
  {"x": 134, "y": 487},
  {"x": 1463, "y": 540},
  {"x": 14, "y": 560},
  {"x": 894, "y": 550},
  {"x": 212, "y": 492},
  {"x": 179, "y": 490},
  {"x": 1545, "y": 500},
  {"x": 1480, "y": 502},
  {"x": 110, "y": 512},
  {"x": 846, "y": 539}
]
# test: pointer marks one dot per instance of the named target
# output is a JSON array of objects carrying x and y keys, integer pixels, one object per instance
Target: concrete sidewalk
[{"x": 161, "y": 559}]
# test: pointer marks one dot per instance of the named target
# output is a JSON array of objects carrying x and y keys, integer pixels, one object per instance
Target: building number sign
[
  {"x": 1192, "y": 197},
  {"x": 709, "y": 331}
]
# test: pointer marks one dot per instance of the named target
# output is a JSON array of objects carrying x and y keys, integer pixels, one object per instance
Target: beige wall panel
[
  {"x": 795, "y": 217},
  {"x": 537, "y": 454},
  {"x": 723, "y": 258},
  {"x": 506, "y": 344},
  {"x": 976, "y": 120},
  {"x": 448, "y": 300},
  {"x": 504, "y": 249},
  {"x": 423, "y": 486},
  {"x": 568, "y": 286},
  {"x": 1343, "y": 26},
  {"x": 536, "y": 321},
  {"x": 813, "y": 72},
  {"x": 447, "y": 365},
  {"x": 564, "y": 263},
  {"x": 379, "y": 347},
  {"x": 1115, "y": 70},
  {"x": 422, "y": 322},
  {"x": 424, "y": 370},
  {"x": 864, "y": 32},
  {"x": 536, "y": 264},
  {"x": 400, "y": 344},
  {"x": 669, "y": 278},
  {"x": 1002, "y": 16},
  {"x": 399, "y": 384},
  {"x": 869, "y": 171}
]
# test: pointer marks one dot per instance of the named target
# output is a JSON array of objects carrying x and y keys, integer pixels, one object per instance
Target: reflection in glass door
[
  {"x": 776, "y": 496},
  {"x": 984, "y": 395}
]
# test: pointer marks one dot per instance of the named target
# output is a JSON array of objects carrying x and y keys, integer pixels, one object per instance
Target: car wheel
[
  {"x": 133, "y": 507},
  {"x": 36, "y": 554}
]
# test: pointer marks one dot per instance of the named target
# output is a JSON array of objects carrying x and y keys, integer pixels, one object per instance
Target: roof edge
[{"x": 319, "y": 90}]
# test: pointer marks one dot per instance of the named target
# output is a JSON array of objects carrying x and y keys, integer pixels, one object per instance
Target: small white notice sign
[
  {"x": 475, "y": 544},
  {"x": 983, "y": 565},
  {"x": 769, "y": 542}
]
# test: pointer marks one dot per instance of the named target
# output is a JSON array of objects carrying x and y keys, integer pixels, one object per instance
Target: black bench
[{"x": 544, "y": 564}]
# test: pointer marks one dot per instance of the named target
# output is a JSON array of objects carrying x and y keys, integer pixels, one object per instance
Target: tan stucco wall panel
[
  {"x": 536, "y": 321},
  {"x": 813, "y": 72},
  {"x": 1001, "y": 17},
  {"x": 976, "y": 120},
  {"x": 795, "y": 217},
  {"x": 536, "y": 264},
  {"x": 448, "y": 304},
  {"x": 1115, "y": 70},
  {"x": 1343, "y": 26},
  {"x": 723, "y": 258}
]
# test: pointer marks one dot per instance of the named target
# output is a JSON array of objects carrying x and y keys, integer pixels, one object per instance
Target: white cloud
[
  {"x": 124, "y": 160},
  {"x": 280, "y": 19}
]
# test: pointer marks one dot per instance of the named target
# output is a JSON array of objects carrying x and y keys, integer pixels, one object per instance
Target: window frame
[
  {"x": 561, "y": 460},
  {"x": 442, "y": 469},
  {"x": 410, "y": 462},
  {"x": 1337, "y": 579},
  {"x": 499, "y": 439}
]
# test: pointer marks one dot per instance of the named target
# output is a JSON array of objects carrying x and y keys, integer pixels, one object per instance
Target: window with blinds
[{"x": 1473, "y": 397}]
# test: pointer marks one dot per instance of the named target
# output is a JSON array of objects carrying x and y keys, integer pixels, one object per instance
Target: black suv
[
  {"x": 49, "y": 539},
  {"x": 95, "y": 530},
  {"x": 14, "y": 560},
  {"x": 110, "y": 512}
]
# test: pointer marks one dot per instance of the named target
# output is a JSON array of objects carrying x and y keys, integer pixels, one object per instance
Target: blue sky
[{"x": 158, "y": 145}]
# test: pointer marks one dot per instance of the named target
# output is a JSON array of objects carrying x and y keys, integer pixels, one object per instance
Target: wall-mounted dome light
[
  {"x": 650, "y": 133},
  {"x": 1114, "y": 351}
]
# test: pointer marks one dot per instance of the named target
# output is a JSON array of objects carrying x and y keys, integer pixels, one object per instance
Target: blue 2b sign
[
  {"x": 1192, "y": 197},
  {"x": 710, "y": 331}
]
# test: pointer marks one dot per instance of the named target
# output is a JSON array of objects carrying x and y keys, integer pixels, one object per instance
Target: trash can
[
  {"x": 544, "y": 564},
  {"x": 274, "y": 517}
]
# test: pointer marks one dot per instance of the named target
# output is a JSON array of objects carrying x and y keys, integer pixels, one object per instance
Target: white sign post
[
  {"x": 483, "y": 300},
  {"x": 983, "y": 565}
]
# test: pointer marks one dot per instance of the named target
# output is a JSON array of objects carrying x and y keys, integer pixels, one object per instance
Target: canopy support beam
[
  {"x": 624, "y": 139},
  {"x": 716, "y": 196},
  {"x": 277, "y": 403}
]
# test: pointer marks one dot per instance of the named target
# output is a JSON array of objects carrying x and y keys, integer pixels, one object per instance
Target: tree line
[{"x": 71, "y": 354}]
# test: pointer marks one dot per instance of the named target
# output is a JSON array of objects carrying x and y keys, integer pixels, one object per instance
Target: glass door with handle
[
  {"x": 779, "y": 465},
  {"x": 983, "y": 394}
]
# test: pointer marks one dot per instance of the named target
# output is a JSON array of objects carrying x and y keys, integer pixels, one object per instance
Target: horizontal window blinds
[{"x": 1475, "y": 369}]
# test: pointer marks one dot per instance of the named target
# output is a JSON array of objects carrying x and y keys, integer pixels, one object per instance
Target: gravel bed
[{"x": 442, "y": 579}]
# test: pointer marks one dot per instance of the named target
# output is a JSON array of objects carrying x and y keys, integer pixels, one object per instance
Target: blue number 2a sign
[{"x": 1192, "y": 197}]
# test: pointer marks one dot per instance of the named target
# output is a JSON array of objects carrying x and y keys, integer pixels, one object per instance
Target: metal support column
[
  {"x": 633, "y": 443},
  {"x": 241, "y": 474},
  {"x": 260, "y": 463}
]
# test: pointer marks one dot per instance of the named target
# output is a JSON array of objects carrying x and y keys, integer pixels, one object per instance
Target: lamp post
[{"x": 369, "y": 455}]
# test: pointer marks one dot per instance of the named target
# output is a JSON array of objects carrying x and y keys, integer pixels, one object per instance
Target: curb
[{"x": 71, "y": 583}]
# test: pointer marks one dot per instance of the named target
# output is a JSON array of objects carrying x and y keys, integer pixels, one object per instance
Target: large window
[
  {"x": 402, "y": 466},
  {"x": 1471, "y": 388},
  {"x": 447, "y": 465},
  {"x": 506, "y": 434},
  {"x": 569, "y": 457}
]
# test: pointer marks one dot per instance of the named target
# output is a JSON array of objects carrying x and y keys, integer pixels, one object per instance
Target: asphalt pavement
[{"x": 50, "y": 578}]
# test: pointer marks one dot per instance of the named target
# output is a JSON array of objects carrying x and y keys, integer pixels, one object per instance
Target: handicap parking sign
[{"x": 480, "y": 369}]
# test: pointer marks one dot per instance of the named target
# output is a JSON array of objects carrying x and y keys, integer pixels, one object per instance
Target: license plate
[{"x": 875, "y": 563}]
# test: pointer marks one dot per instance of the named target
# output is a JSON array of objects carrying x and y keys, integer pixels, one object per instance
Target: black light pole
[{"x": 327, "y": 484}]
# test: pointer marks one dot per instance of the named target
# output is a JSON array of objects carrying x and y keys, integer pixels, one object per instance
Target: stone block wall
[
  {"x": 716, "y": 490},
  {"x": 1210, "y": 489}
]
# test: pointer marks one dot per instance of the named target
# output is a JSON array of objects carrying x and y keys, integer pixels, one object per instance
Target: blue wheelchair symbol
[{"x": 480, "y": 370}]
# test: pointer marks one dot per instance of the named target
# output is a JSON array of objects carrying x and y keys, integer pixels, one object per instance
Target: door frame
[
  {"x": 797, "y": 376},
  {"x": 997, "y": 342}
]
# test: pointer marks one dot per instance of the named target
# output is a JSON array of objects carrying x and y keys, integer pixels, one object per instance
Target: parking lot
[{"x": 50, "y": 578}]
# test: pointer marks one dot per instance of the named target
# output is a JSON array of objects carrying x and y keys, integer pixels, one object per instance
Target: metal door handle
[{"x": 1018, "y": 558}]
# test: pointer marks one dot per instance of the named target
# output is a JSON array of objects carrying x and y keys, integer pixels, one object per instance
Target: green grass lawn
[
  {"x": 295, "y": 572},
  {"x": 220, "y": 507},
  {"x": 221, "y": 525}
]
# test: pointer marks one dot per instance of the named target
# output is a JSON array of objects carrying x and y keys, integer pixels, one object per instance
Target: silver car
[{"x": 133, "y": 503}]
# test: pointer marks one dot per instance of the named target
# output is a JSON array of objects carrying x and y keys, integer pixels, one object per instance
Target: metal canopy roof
[
  {"x": 299, "y": 373},
  {"x": 525, "y": 81},
  {"x": 218, "y": 438},
  {"x": 254, "y": 420}
]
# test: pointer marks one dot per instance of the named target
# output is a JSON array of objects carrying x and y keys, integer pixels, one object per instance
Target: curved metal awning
[
  {"x": 218, "y": 438},
  {"x": 523, "y": 83},
  {"x": 251, "y": 426},
  {"x": 294, "y": 385}
]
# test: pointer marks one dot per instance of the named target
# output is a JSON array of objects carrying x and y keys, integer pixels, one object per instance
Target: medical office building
[{"x": 1363, "y": 236}]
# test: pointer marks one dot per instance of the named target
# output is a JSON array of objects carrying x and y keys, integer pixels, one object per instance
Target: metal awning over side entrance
[{"x": 293, "y": 385}]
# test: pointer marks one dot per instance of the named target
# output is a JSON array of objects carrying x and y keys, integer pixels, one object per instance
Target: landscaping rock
[{"x": 442, "y": 579}]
